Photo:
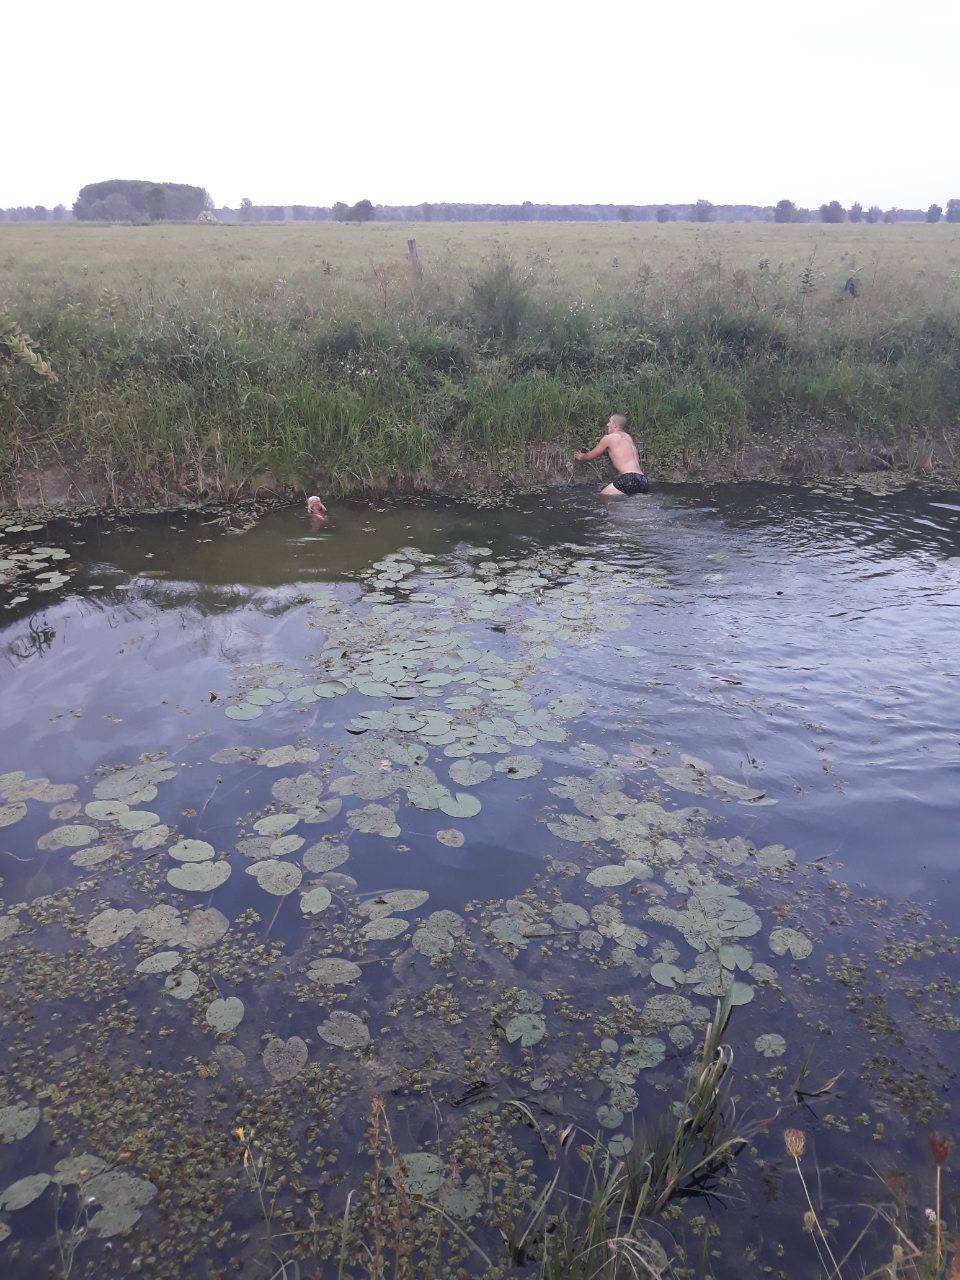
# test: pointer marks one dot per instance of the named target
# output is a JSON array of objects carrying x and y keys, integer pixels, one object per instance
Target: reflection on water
[{"x": 472, "y": 795}]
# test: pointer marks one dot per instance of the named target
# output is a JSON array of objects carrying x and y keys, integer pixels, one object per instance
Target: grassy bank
[{"x": 223, "y": 360}]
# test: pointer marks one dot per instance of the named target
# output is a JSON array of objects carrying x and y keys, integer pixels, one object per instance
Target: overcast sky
[{"x": 401, "y": 102}]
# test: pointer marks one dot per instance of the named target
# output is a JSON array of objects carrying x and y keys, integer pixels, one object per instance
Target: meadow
[{"x": 188, "y": 360}]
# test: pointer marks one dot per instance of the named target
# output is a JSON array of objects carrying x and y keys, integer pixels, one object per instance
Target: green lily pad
[
  {"x": 24, "y": 1191},
  {"x": 243, "y": 711},
  {"x": 770, "y": 1045},
  {"x": 199, "y": 877},
  {"x": 460, "y": 805},
  {"x": 182, "y": 986},
  {"x": 468, "y": 773},
  {"x": 192, "y": 851},
  {"x": 667, "y": 975},
  {"x": 528, "y": 1028},
  {"x": 610, "y": 876},
  {"x": 225, "y": 1014},
  {"x": 451, "y": 837},
  {"x": 17, "y": 1121},
  {"x": 109, "y": 926},
  {"x": 137, "y": 819},
  {"x": 278, "y": 878},
  {"x": 421, "y": 1173},
  {"x": 71, "y": 836},
  {"x": 159, "y": 962},
  {"x": 790, "y": 940},
  {"x": 315, "y": 900},
  {"x": 383, "y": 928},
  {"x": 519, "y": 766},
  {"x": 374, "y": 819},
  {"x": 345, "y": 1030},
  {"x": 276, "y": 824},
  {"x": 325, "y": 856},
  {"x": 610, "y": 1117},
  {"x": 285, "y": 1059},
  {"x": 11, "y": 813},
  {"x": 334, "y": 971}
]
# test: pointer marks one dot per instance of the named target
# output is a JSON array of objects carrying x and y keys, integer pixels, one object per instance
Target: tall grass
[{"x": 370, "y": 379}]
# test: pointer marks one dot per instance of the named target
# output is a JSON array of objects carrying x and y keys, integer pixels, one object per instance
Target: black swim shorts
[{"x": 631, "y": 483}]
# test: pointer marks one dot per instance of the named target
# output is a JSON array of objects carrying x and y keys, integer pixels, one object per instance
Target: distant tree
[
  {"x": 934, "y": 213},
  {"x": 785, "y": 211},
  {"x": 953, "y": 210},
  {"x": 891, "y": 215},
  {"x": 855, "y": 212},
  {"x": 58, "y": 213},
  {"x": 874, "y": 213},
  {"x": 426, "y": 212},
  {"x": 703, "y": 211},
  {"x": 832, "y": 212},
  {"x": 624, "y": 214},
  {"x": 663, "y": 214},
  {"x": 246, "y": 209},
  {"x": 362, "y": 211},
  {"x": 40, "y": 212},
  {"x": 155, "y": 203},
  {"x": 114, "y": 207},
  {"x": 183, "y": 202},
  {"x": 341, "y": 211}
]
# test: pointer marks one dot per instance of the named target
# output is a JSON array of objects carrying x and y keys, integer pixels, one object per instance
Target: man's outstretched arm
[{"x": 595, "y": 452}]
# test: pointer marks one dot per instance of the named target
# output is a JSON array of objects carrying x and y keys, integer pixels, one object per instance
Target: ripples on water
[{"x": 800, "y": 643}]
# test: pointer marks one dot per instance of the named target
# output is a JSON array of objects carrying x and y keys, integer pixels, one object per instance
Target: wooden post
[{"x": 415, "y": 267}]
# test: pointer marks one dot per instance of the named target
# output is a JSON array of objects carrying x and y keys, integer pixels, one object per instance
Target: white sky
[{"x": 289, "y": 102}]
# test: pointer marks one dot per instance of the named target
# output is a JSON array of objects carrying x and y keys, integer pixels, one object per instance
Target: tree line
[{"x": 140, "y": 201}]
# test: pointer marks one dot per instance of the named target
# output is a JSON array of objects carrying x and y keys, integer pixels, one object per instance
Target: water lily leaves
[
  {"x": 264, "y": 697},
  {"x": 199, "y": 877},
  {"x": 305, "y": 791},
  {"x": 643, "y": 1054},
  {"x": 277, "y": 757},
  {"x": 460, "y": 805},
  {"x": 243, "y": 711},
  {"x": 569, "y": 915},
  {"x": 137, "y": 819},
  {"x": 11, "y": 813},
  {"x": 159, "y": 962},
  {"x": 150, "y": 838},
  {"x": 315, "y": 900},
  {"x": 9, "y": 925},
  {"x": 276, "y": 824},
  {"x": 790, "y": 940},
  {"x": 770, "y": 1045},
  {"x": 451, "y": 837},
  {"x": 192, "y": 851},
  {"x": 109, "y": 926},
  {"x": 666, "y": 1010},
  {"x": 71, "y": 836},
  {"x": 325, "y": 856},
  {"x": 182, "y": 986},
  {"x": 135, "y": 784},
  {"x": 667, "y": 975},
  {"x": 334, "y": 971},
  {"x": 74, "y": 1169},
  {"x": 438, "y": 934},
  {"x": 468, "y": 773},
  {"x": 205, "y": 927},
  {"x": 122, "y": 1198},
  {"x": 374, "y": 819},
  {"x": 383, "y": 929},
  {"x": 384, "y": 904},
  {"x": 568, "y": 706},
  {"x": 345, "y": 1030},
  {"x": 285, "y": 1059},
  {"x": 226, "y": 1014},
  {"x": 278, "y": 878},
  {"x": 620, "y": 1145},
  {"x": 420, "y": 1173},
  {"x": 24, "y": 1191},
  {"x": 528, "y": 1028},
  {"x": 738, "y": 790},
  {"x": 610, "y": 1117},
  {"x": 17, "y": 1121},
  {"x": 610, "y": 876},
  {"x": 519, "y": 766},
  {"x": 282, "y": 845},
  {"x": 775, "y": 857}
]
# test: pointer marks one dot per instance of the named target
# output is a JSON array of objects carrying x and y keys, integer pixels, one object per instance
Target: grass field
[{"x": 196, "y": 358}]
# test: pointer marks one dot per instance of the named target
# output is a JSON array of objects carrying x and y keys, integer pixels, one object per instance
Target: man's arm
[{"x": 594, "y": 453}]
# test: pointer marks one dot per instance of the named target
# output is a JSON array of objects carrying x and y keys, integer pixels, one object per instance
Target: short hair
[{"x": 620, "y": 419}]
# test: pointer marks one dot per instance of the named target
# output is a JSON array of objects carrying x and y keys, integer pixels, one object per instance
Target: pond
[{"x": 344, "y": 871}]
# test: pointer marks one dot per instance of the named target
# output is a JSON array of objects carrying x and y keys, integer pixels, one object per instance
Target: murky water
[{"x": 460, "y": 808}]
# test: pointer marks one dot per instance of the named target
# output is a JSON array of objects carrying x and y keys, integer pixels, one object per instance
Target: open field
[{"x": 196, "y": 358}]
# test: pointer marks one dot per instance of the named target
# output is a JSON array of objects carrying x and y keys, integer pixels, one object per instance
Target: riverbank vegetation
[{"x": 216, "y": 360}]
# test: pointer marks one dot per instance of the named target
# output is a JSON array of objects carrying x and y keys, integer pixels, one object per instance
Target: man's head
[
  {"x": 618, "y": 422},
  {"x": 316, "y": 507}
]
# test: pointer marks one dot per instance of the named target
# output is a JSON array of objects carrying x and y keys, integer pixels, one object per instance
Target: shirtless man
[
  {"x": 623, "y": 455},
  {"x": 317, "y": 513}
]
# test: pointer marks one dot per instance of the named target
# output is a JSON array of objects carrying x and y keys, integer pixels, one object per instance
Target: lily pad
[
  {"x": 770, "y": 1045},
  {"x": 18, "y": 1120},
  {"x": 285, "y": 1059},
  {"x": 159, "y": 962},
  {"x": 374, "y": 819},
  {"x": 278, "y": 878},
  {"x": 199, "y": 877},
  {"x": 24, "y": 1191},
  {"x": 325, "y": 856},
  {"x": 71, "y": 836},
  {"x": 11, "y": 813},
  {"x": 468, "y": 773},
  {"x": 451, "y": 837},
  {"x": 519, "y": 766},
  {"x": 182, "y": 986},
  {"x": 334, "y": 971},
  {"x": 790, "y": 940},
  {"x": 528, "y": 1028},
  {"x": 315, "y": 900},
  {"x": 192, "y": 851},
  {"x": 225, "y": 1014},
  {"x": 421, "y": 1174},
  {"x": 109, "y": 926},
  {"x": 344, "y": 1030},
  {"x": 460, "y": 805}
]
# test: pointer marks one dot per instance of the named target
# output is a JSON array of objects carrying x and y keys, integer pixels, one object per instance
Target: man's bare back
[{"x": 619, "y": 446}]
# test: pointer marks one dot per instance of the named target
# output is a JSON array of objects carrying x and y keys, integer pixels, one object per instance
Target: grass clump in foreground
[{"x": 223, "y": 377}]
